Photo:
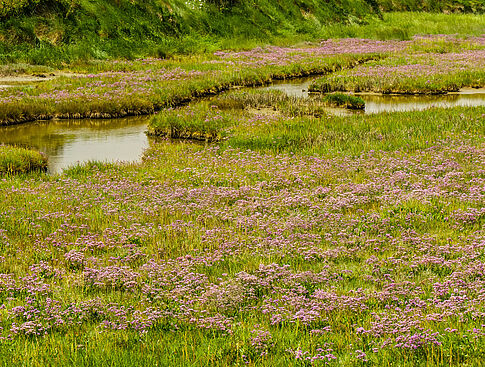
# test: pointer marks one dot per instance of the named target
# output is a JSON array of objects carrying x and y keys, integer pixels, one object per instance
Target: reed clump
[
  {"x": 14, "y": 160},
  {"x": 345, "y": 100}
]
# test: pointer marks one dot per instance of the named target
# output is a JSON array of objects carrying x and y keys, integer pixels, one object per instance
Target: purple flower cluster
[{"x": 273, "y": 55}]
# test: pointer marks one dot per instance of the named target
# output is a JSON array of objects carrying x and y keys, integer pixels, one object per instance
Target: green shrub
[
  {"x": 223, "y": 4},
  {"x": 8, "y": 7},
  {"x": 12, "y": 7}
]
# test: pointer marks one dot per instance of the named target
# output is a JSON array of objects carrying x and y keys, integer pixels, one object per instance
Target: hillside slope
[{"x": 39, "y": 31}]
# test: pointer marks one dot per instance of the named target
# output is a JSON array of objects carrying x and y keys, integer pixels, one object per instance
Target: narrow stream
[
  {"x": 68, "y": 142},
  {"x": 377, "y": 103}
]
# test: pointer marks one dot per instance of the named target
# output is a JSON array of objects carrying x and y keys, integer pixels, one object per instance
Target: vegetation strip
[
  {"x": 144, "y": 86},
  {"x": 437, "y": 66}
]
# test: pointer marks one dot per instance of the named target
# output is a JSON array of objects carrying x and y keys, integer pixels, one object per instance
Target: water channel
[
  {"x": 377, "y": 103},
  {"x": 68, "y": 142}
]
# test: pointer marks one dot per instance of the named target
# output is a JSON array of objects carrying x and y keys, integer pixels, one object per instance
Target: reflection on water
[
  {"x": 67, "y": 142},
  {"x": 391, "y": 103}
]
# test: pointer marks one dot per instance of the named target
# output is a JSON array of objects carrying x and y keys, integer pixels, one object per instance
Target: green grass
[
  {"x": 295, "y": 227},
  {"x": 270, "y": 120},
  {"x": 269, "y": 102},
  {"x": 404, "y": 25},
  {"x": 345, "y": 100},
  {"x": 227, "y": 114},
  {"x": 441, "y": 64},
  {"x": 426, "y": 67},
  {"x": 448, "y": 6},
  {"x": 93, "y": 97},
  {"x": 17, "y": 160},
  {"x": 353, "y": 135},
  {"x": 200, "y": 123},
  {"x": 62, "y": 32}
]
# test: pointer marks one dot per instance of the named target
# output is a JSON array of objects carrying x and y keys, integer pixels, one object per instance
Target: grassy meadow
[
  {"x": 300, "y": 241},
  {"x": 259, "y": 229}
]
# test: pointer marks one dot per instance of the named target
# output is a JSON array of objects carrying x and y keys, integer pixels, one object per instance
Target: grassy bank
[
  {"x": 62, "y": 32},
  {"x": 405, "y": 25},
  {"x": 144, "y": 86},
  {"x": 120, "y": 88},
  {"x": 217, "y": 118},
  {"x": 262, "y": 121},
  {"x": 15, "y": 160},
  {"x": 412, "y": 73}
]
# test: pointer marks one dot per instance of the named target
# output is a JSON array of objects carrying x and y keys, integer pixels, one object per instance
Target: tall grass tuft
[{"x": 15, "y": 160}]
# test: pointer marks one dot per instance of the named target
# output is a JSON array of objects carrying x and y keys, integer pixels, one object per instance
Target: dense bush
[
  {"x": 12, "y": 6},
  {"x": 223, "y": 4}
]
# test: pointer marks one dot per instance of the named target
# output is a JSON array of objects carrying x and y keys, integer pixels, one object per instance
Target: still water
[
  {"x": 68, "y": 142},
  {"x": 391, "y": 103}
]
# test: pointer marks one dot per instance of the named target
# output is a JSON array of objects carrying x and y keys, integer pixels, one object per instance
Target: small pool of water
[
  {"x": 68, "y": 142},
  {"x": 293, "y": 88}
]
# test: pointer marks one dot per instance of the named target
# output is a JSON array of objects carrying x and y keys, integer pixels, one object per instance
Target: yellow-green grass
[
  {"x": 376, "y": 213},
  {"x": 425, "y": 68},
  {"x": 14, "y": 160},
  {"x": 375, "y": 227}
]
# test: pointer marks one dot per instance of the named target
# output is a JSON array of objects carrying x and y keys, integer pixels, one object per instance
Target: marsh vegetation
[{"x": 259, "y": 228}]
